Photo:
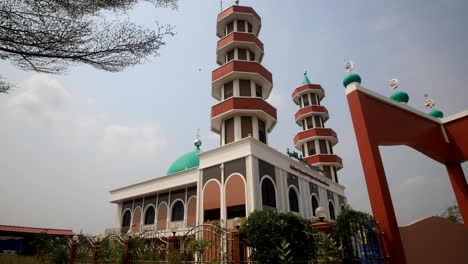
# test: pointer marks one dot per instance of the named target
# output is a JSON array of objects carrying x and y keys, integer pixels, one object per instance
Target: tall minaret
[
  {"x": 241, "y": 83},
  {"x": 315, "y": 141}
]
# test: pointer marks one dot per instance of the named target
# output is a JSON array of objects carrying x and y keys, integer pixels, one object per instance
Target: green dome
[
  {"x": 400, "y": 97},
  {"x": 436, "y": 113},
  {"x": 350, "y": 78},
  {"x": 187, "y": 161}
]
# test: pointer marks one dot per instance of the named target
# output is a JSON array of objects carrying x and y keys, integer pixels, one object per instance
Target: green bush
[
  {"x": 110, "y": 251},
  {"x": 279, "y": 237},
  {"x": 328, "y": 250}
]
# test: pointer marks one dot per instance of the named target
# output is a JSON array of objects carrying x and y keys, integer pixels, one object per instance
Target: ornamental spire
[
  {"x": 198, "y": 142},
  {"x": 306, "y": 79}
]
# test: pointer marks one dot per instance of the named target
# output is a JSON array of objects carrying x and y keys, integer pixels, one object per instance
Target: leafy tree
[
  {"x": 453, "y": 214},
  {"x": 278, "y": 237},
  {"x": 50, "y": 35}
]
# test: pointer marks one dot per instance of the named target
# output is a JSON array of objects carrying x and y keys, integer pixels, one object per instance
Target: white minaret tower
[
  {"x": 241, "y": 84},
  {"x": 315, "y": 141}
]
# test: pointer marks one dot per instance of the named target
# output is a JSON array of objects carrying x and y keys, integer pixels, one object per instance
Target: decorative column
[
  {"x": 241, "y": 84},
  {"x": 315, "y": 141}
]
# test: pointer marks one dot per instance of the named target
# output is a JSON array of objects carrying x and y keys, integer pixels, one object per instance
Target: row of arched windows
[
  {"x": 177, "y": 214},
  {"x": 269, "y": 199}
]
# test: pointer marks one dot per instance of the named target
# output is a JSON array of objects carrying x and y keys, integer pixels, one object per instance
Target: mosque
[{"x": 244, "y": 173}]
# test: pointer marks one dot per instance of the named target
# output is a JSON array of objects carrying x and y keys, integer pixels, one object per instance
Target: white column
[
  {"x": 223, "y": 132},
  {"x": 237, "y": 128},
  {"x": 281, "y": 186},
  {"x": 186, "y": 208},
  {"x": 199, "y": 216},
  {"x": 251, "y": 188},
  {"x": 223, "y": 198},
  {"x": 255, "y": 127},
  {"x": 118, "y": 216},
  {"x": 169, "y": 212},
  {"x": 222, "y": 92},
  {"x": 235, "y": 88},
  {"x": 252, "y": 87}
]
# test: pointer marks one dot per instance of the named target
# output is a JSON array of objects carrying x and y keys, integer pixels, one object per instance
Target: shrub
[
  {"x": 276, "y": 236},
  {"x": 328, "y": 250}
]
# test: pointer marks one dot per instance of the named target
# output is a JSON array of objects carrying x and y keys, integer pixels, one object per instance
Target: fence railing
[{"x": 363, "y": 245}]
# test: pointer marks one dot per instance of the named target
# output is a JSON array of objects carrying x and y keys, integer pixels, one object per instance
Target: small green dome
[
  {"x": 187, "y": 161},
  {"x": 400, "y": 97},
  {"x": 350, "y": 78},
  {"x": 436, "y": 113}
]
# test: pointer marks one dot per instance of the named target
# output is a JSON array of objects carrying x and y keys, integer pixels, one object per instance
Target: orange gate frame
[{"x": 380, "y": 121}]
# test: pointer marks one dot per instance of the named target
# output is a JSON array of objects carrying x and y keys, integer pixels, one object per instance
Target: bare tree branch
[{"x": 51, "y": 35}]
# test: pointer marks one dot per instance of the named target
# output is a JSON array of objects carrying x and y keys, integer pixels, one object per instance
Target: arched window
[
  {"x": 268, "y": 193},
  {"x": 331, "y": 209},
  {"x": 314, "y": 204},
  {"x": 293, "y": 201},
  {"x": 177, "y": 212},
  {"x": 149, "y": 216},
  {"x": 127, "y": 217}
]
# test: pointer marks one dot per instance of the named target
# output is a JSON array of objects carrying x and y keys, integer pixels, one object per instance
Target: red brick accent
[
  {"x": 238, "y": 9},
  {"x": 238, "y": 36},
  {"x": 315, "y": 132},
  {"x": 306, "y": 87},
  {"x": 324, "y": 158},
  {"x": 241, "y": 66},
  {"x": 310, "y": 109},
  {"x": 243, "y": 103}
]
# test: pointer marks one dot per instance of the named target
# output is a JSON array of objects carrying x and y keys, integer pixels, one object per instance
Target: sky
[{"x": 67, "y": 140}]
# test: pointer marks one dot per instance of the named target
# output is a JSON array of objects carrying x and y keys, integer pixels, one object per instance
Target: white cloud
[
  {"x": 132, "y": 141},
  {"x": 43, "y": 101}
]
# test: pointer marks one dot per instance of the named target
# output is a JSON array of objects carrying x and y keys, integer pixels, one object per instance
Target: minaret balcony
[
  {"x": 310, "y": 111},
  {"x": 241, "y": 70},
  {"x": 247, "y": 106},
  {"x": 239, "y": 40},
  {"x": 314, "y": 134},
  {"x": 325, "y": 159},
  {"x": 240, "y": 13},
  {"x": 308, "y": 88}
]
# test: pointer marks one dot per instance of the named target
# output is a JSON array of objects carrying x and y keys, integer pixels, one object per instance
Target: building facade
[{"x": 244, "y": 173}]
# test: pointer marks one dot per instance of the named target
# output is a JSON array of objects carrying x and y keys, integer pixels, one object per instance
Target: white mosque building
[{"x": 244, "y": 173}]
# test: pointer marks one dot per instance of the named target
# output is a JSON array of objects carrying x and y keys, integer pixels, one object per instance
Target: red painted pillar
[
  {"x": 376, "y": 181},
  {"x": 460, "y": 188}
]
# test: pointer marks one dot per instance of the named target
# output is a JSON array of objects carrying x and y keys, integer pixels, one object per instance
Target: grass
[{"x": 19, "y": 260}]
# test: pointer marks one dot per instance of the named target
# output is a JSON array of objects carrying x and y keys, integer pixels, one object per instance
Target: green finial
[
  {"x": 399, "y": 96},
  {"x": 350, "y": 77},
  {"x": 436, "y": 113},
  {"x": 429, "y": 104},
  {"x": 306, "y": 79}
]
